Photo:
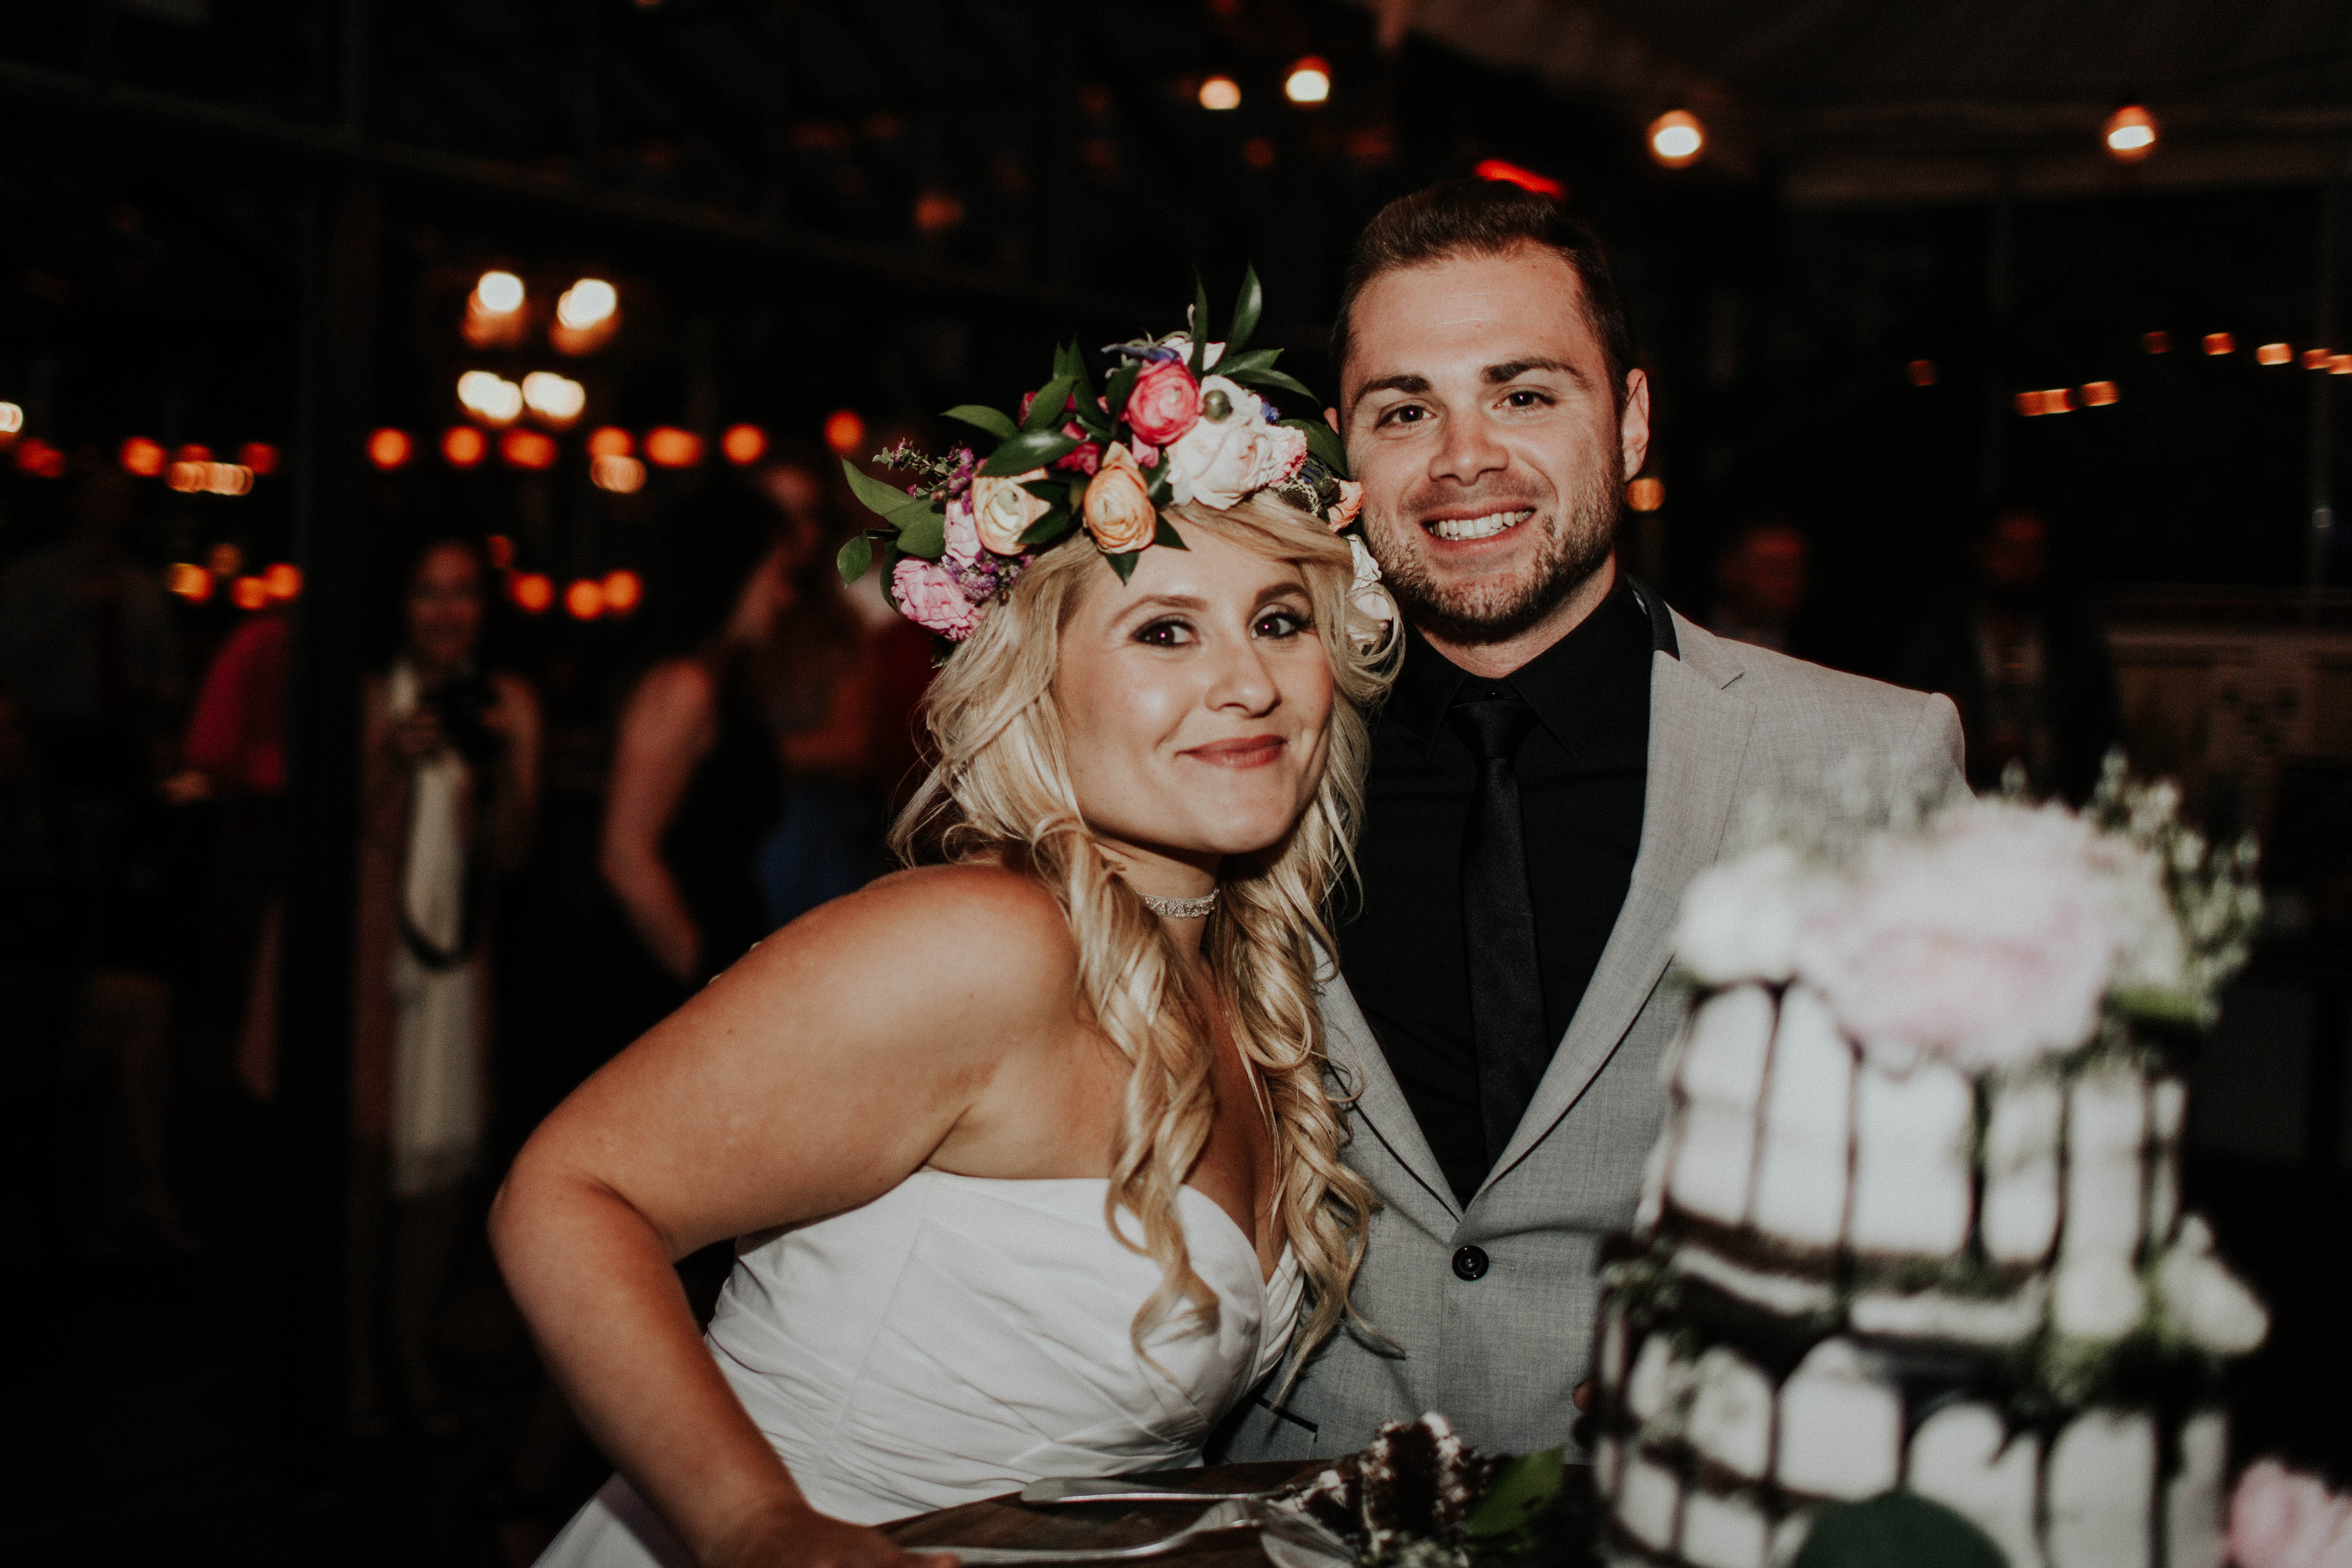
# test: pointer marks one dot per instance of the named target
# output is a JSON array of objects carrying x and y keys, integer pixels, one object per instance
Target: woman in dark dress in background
[{"x": 696, "y": 779}]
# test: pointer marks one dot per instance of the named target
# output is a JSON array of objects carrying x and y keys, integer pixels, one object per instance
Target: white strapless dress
[{"x": 960, "y": 1337}]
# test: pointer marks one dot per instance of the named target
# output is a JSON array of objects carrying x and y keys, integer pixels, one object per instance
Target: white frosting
[
  {"x": 1964, "y": 1458},
  {"x": 2209, "y": 1305},
  {"x": 1725, "y": 1532},
  {"x": 2107, "y": 1131},
  {"x": 2101, "y": 1483},
  {"x": 1911, "y": 1175},
  {"x": 1784, "y": 1293},
  {"x": 1801, "y": 1179},
  {"x": 1647, "y": 1501},
  {"x": 2193, "y": 1533},
  {"x": 2097, "y": 1296},
  {"x": 1658, "y": 1379},
  {"x": 2020, "y": 1220},
  {"x": 1937, "y": 1315},
  {"x": 1722, "y": 1079},
  {"x": 1613, "y": 1343},
  {"x": 1732, "y": 1413},
  {"x": 1788, "y": 1537},
  {"x": 1841, "y": 1429}
]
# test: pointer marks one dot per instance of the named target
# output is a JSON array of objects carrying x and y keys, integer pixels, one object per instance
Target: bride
[{"x": 1027, "y": 1147}]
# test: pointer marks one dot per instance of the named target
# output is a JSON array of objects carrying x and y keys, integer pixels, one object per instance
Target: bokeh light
[
  {"x": 1309, "y": 81},
  {"x": 624, "y": 590},
  {"x": 389, "y": 448},
  {"x": 532, "y": 592},
  {"x": 528, "y": 449},
  {"x": 622, "y": 476},
  {"x": 1221, "y": 93},
  {"x": 499, "y": 293},
  {"x": 464, "y": 445},
  {"x": 1647, "y": 493},
  {"x": 844, "y": 432},
  {"x": 2129, "y": 134},
  {"x": 584, "y": 600},
  {"x": 611, "y": 441},
  {"x": 142, "y": 457},
  {"x": 250, "y": 593},
  {"x": 283, "y": 581},
  {"x": 743, "y": 443},
  {"x": 667, "y": 446},
  {"x": 1676, "y": 138}
]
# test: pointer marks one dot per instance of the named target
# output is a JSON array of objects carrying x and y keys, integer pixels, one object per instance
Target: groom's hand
[{"x": 803, "y": 1538}]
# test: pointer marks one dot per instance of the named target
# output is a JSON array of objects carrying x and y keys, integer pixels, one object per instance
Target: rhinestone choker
[{"x": 1180, "y": 909}]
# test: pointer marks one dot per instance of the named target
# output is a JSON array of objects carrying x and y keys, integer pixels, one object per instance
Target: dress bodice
[{"x": 960, "y": 1337}]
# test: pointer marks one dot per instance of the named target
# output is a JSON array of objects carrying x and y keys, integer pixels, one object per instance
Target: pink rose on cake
[
  {"x": 2283, "y": 1519},
  {"x": 1989, "y": 942},
  {"x": 931, "y": 598},
  {"x": 1233, "y": 449}
]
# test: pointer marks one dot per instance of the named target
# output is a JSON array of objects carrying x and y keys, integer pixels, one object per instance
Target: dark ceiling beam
[{"x": 61, "y": 92}]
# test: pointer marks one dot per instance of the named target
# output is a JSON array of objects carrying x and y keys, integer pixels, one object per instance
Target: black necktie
[{"x": 1499, "y": 922}]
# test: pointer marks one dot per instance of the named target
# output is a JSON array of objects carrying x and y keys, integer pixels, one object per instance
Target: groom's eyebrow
[{"x": 1512, "y": 369}]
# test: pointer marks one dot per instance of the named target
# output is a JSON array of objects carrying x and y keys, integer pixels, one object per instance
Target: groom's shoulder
[{"x": 1798, "y": 701}]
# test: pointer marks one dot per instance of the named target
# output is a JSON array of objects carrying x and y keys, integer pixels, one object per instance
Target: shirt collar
[{"x": 1617, "y": 637}]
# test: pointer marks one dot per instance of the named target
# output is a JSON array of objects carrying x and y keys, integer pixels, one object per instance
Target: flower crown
[{"x": 1175, "y": 423}]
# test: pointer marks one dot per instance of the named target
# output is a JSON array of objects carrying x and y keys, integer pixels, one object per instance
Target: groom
[{"x": 1560, "y": 756}]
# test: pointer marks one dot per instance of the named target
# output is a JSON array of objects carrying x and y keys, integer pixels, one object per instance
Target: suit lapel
[
  {"x": 1380, "y": 1104},
  {"x": 1698, "y": 735}
]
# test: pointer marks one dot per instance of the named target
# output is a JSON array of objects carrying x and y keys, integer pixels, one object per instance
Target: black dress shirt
[{"x": 1582, "y": 770}]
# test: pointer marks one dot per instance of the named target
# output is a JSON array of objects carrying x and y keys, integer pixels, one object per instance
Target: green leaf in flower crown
[
  {"x": 1200, "y": 325},
  {"x": 1520, "y": 1492},
  {"x": 1158, "y": 487},
  {"x": 1029, "y": 450},
  {"x": 1269, "y": 377},
  {"x": 1897, "y": 1527},
  {"x": 1053, "y": 491},
  {"x": 983, "y": 418},
  {"x": 1122, "y": 382},
  {"x": 1324, "y": 444},
  {"x": 855, "y": 558},
  {"x": 1046, "y": 411},
  {"x": 1048, "y": 528},
  {"x": 1065, "y": 361},
  {"x": 1246, "y": 310},
  {"x": 924, "y": 534},
  {"x": 1124, "y": 562},
  {"x": 888, "y": 500},
  {"x": 1089, "y": 411},
  {"x": 1164, "y": 532},
  {"x": 1241, "y": 367}
]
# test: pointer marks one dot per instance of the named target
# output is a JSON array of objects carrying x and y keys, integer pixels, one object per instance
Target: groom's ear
[{"x": 1331, "y": 417}]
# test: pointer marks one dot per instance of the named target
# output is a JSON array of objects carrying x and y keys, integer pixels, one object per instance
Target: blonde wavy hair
[{"x": 1000, "y": 794}]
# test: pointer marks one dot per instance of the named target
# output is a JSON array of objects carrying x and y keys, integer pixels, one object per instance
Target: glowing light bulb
[
  {"x": 489, "y": 397},
  {"x": 1221, "y": 93},
  {"x": 1676, "y": 138},
  {"x": 2274, "y": 354},
  {"x": 844, "y": 432},
  {"x": 2129, "y": 134},
  {"x": 532, "y": 592},
  {"x": 283, "y": 581},
  {"x": 588, "y": 303},
  {"x": 12, "y": 418},
  {"x": 584, "y": 600},
  {"x": 558, "y": 399},
  {"x": 142, "y": 457},
  {"x": 743, "y": 443},
  {"x": 388, "y": 448},
  {"x": 1511, "y": 174},
  {"x": 617, "y": 472},
  {"x": 670, "y": 447},
  {"x": 2099, "y": 393},
  {"x": 499, "y": 293},
  {"x": 464, "y": 445},
  {"x": 611, "y": 441},
  {"x": 1309, "y": 81},
  {"x": 623, "y": 591}
]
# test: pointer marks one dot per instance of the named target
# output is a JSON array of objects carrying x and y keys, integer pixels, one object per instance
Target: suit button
[{"x": 1470, "y": 1263}]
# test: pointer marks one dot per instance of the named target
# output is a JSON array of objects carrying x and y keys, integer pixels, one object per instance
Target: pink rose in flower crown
[
  {"x": 1003, "y": 510},
  {"x": 1164, "y": 402},
  {"x": 931, "y": 598},
  {"x": 1220, "y": 461},
  {"x": 1988, "y": 943},
  {"x": 2281, "y": 1519},
  {"x": 964, "y": 534}
]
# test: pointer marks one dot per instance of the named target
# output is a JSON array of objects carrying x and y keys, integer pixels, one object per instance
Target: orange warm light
[
  {"x": 1511, "y": 174},
  {"x": 611, "y": 441},
  {"x": 258, "y": 456},
  {"x": 2049, "y": 400},
  {"x": 2274, "y": 354},
  {"x": 622, "y": 476},
  {"x": 532, "y": 592},
  {"x": 389, "y": 448},
  {"x": 38, "y": 458},
  {"x": 2099, "y": 393},
  {"x": 142, "y": 457},
  {"x": 623, "y": 591},
  {"x": 193, "y": 452},
  {"x": 667, "y": 446},
  {"x": 1676, "y": 139},
  {"x": 2156, "y": 342},
  {"x": 2129, "y": 134},
  {"x": 844, "y": 432},
  {"x": 744, "y": 444},
  {"x": 250, "y": 593},
  {"x": 464, "y": 445},
  {"x": 283, "y": 581},
  {"x": 2220, "y": 343},
  {"x": 210, "y": 478},
  {"x": 1647, "y": 493},
  {"x": 2317, "y": 358},
  {"x": 501, "y": 549},
  {"x": 527, "y": 450},
  {"x": 190, "y": 582},
  {"x": 1920, "y": 373},
  {"x": 225, "y": 560},
  {"x": 584, "y": 600}
]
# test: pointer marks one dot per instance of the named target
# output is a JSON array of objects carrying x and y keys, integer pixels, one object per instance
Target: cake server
[{"x": 1121, "y": 1488}]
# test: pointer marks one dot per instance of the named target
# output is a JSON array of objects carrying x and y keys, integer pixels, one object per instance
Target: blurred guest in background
[
  {"x": 697, "y": 778},
  {"x": 2029, "y": 671},
  {"x": 449, "y": 786},
  {"x": 88, "y": 647},
  {"x": 1761, "y": 583}
]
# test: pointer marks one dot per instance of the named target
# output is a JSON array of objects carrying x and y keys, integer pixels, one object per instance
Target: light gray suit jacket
[{"x": 1502, "y": 1353}]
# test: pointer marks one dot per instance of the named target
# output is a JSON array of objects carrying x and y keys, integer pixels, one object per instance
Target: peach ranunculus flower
[
  {"x": 1003, "y": 510},
  {"x": 1163, "y": 403},
  {"x": 931, "y": 598},
  {"x": 1989, "y": 942},
  {"x": 2283, "y": 1519},
  {"x": 1118, "y": 506},
  {"x": 1350, "y": 503}
]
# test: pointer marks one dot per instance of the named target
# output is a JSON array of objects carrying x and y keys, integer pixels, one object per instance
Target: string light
[
  {"x": 2156, "y": 342},
  {"x": 1309, "y": 81},
  {"x": 501, "y": 549},
  {"x": 12, "y": 418},
  {"x": 1647, "y": 493},
  {"x": 743, "y": 443},
  {"x": 622, "y": 592},
  {"x": 225, "y": 560},
  {"x": 2129, "y": 134},
  {"x": 209, "y": 479},
  {"x": 142, "y": 457},
  {"x": 532, "y": 592},
  {"x": 389, "y": 448},
  {"x": 258, "y": 456},
  {"x": 189, "y": 581},
  {"x": 283, "y": 581},
  {"x": 489, "y": 397},
  {"x": 1920, "y": 373},
  {"x": 250, "y": 594},
  {"x": 40, "y": 460},
  {"x": 2273, "y": 353},
  {"x": 1511, "y": 174},
  {"x": 193, "y": 452},
  {"x": 464, "y": 445},
  {"x": 2100, "y": 393},
  {"x": 844, "y": 432},
  {"x": 1676, "y": 139},
  {"x": 1221, "y": 93},
  {"x": 611, "y": 441},
  {"x": 584, "y": 600},
  {"x": 527, "y": 450},
  {"x": 2317, "y": 358},
  {"x": 558, "y": 399},
  {"x": 2218, "y": 343},
  {"x": 667, "y": 446},
  {"x": 622, "y": 476},
  {"x": 2339, "y": 365},
  {"x": 497, "y": 293},
  {"x": 588, "y": 303}
]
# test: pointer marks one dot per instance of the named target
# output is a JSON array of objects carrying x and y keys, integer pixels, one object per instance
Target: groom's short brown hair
[{"x": 1485, "y": 217}]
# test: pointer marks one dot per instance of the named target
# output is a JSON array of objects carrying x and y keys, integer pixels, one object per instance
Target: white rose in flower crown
[
  {"x": 1218, "y": 461},
  {"x": 1989, "y": 942},
  {"x": 1371, "y": 601}
]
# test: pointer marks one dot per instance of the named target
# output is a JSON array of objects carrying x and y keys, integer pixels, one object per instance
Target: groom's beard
[{"x": 1494, "y": 609}]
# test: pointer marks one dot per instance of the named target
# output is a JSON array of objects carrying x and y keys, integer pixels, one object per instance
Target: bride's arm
[{"x": 814, "y": 1075}]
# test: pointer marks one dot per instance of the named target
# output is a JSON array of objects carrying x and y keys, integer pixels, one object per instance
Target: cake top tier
[{"x": 1989, "y": 934}]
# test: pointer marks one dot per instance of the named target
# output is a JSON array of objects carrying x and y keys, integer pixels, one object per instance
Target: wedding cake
[{"x": 1912, "y": 1224}]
